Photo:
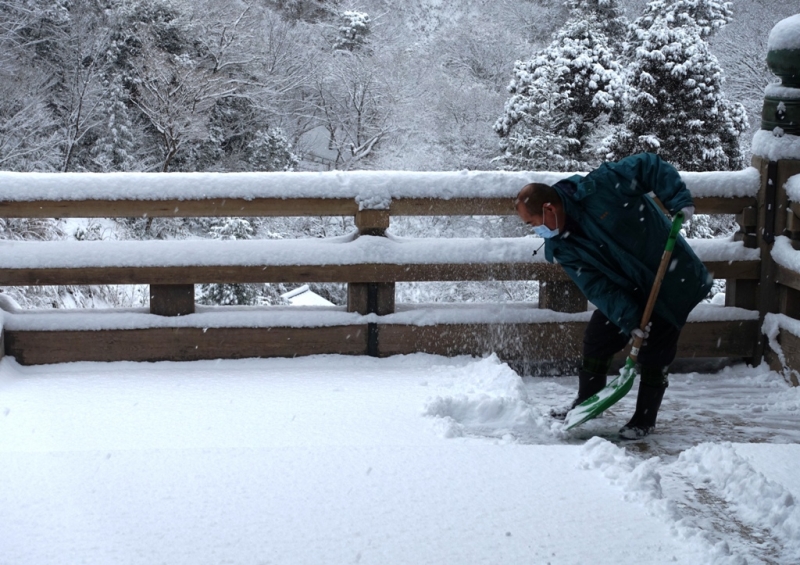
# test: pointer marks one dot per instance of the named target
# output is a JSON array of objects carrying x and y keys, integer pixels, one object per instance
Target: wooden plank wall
[{"x": 525, "y": 343}]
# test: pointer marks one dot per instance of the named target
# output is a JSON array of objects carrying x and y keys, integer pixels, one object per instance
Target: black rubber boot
[
  {"x": 589, "y": 384},
  {"x": 644, "y": 418}
]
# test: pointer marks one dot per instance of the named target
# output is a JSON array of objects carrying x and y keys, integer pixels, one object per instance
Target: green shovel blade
[{"x": 603, "y": 400}]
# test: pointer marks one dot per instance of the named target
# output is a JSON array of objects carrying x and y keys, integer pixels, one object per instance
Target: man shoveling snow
[{"x": 609, "y": 236}]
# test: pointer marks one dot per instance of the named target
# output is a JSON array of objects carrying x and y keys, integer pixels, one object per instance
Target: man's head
[{"x": 539, "y": 204}]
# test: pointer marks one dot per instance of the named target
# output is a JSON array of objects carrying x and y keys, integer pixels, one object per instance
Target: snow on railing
[
  {"x": 19, "y": 319},
  {"x": 793, "y": 188},
  {"x": 526, "y": 313},
  {"x": 723, "y": 184},
  {"x": 725, "y": 249},
  {"x": 371, "y": 189},
  {"x": 785, "y": 255},
  {"x": 319, "y": 252},
  {"x": 374, "y": 188}
]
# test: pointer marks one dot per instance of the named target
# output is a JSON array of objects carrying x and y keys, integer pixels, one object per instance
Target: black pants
[{"x": 603, "y": 340}]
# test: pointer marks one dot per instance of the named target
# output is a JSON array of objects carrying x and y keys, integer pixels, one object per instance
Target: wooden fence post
[
  {"x": 769, "y": 222},
  {"x": 172, "y": 299},
  {"x": 371, "y": 298},
  {"x": 561, "y": 296},
  {"x": 743, "y": 293},
  {"x": 780, "y": 116}
]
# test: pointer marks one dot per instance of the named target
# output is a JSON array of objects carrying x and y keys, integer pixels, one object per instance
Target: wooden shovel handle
[{"x": 662, "y": 269}]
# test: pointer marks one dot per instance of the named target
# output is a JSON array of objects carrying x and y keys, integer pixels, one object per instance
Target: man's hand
[
  {"x": 688, "y": 212},
  {"x": 641, "y": 333}
]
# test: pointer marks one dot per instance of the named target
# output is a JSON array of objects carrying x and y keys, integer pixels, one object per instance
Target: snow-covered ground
[{"x": 414, "y": 459}]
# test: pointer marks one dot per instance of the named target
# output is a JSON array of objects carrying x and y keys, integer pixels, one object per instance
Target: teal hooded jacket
[{"x": 615, "y": 258}]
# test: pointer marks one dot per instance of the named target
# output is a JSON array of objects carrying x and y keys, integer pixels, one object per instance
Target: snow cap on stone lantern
[{"x": 779, "y": 136}]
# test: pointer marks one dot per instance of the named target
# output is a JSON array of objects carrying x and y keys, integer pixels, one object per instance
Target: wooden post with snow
[
  {"x": 743, "y": 293},
  {"x": 776, "y": 150},
  {"x": 561, "y": 296},
  {"x": 371, "y": 298},
  {"x": 172, "y": 299}
]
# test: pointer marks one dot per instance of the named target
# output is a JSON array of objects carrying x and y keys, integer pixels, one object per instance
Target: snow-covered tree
[
  {"x": 115, "y": 148},
  {"x": 708, "y": 15},
  {"x": 559, "y": 99},
  {"x": 354, "y": 105},
  {"x": 271, "y": 151},
  {"x": 229, "y": 294},
  {"x": 28, "y": 131},
  {"x": 608, "y": 13},
  {"x": 304, "y": 10},
  {"x": 43, "y": 51},
  {"x": 176, "y": 93},
  {"x": 676, "y": 106},
  {"x": 238, "y": 139},
  {"x": 81, "y": 85},
  {"x": 531, "y": 127},
  {"x": 353, "y": 31}
]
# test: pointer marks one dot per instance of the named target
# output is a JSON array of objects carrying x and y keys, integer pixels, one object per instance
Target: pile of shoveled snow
[{"x": 490, "y": 400}]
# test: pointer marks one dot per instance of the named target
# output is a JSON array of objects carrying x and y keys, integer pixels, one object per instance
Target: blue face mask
[{"x": 545, "y": 232}]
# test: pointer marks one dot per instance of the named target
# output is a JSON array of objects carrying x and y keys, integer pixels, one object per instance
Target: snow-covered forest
[{"x": 298, "y": 85}]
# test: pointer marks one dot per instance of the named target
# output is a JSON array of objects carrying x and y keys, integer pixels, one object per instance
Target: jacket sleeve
[
  {"x": 611, "y": 299},
  {"x": 650, "y": 173}
]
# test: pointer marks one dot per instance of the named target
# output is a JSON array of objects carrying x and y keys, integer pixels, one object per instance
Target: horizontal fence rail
[
  {"x": 518, "y": 332},
  {"x": 298, "y": 207},
  {"x": 120, "y": 195},
  {"x": 364, "y": 259}
]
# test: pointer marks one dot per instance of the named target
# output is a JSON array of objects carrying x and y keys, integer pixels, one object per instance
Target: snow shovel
[{"x": 620, "y": 386}]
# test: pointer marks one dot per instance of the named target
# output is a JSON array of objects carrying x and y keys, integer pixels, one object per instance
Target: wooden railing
[{"x": 371, "y": 261}]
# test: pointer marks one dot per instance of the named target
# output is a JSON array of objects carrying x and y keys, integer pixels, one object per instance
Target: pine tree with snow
[
  {"x": 608, "y": 14},
  {"x": 229, "y": 294},
  {"x": 708, "y": 15},
  {"x": 354, "y": 29},
  {"x": 559, "y": 99},
  {"x": 676, "y": 105},
  {"x": 115, "y": 147},
  {"x": 271, "y": 151},
  {"x": 237, "y": 140},
  {"x": 529, "y": 128}
]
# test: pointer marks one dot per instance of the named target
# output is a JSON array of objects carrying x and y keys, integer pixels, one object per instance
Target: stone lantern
[
  {"x": 782, "y": 101},
  {"x": 776, "y": 146}
]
